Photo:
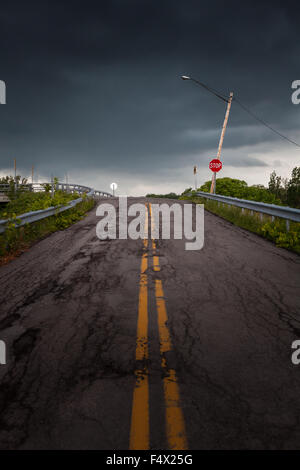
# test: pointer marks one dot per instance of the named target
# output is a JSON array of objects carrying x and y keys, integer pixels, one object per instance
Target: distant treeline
[{"x": 168, "y": 196}]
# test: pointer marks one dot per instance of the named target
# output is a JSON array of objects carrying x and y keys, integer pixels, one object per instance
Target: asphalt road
[{"x": 121, "y": 343}]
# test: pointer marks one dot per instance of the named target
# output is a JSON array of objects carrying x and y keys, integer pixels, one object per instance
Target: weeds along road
[{"x": 130, "y": 344}]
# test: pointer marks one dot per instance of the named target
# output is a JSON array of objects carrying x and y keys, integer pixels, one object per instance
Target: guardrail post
[{"x": 287, "y": 222}]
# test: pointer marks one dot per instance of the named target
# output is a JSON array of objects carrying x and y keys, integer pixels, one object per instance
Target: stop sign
[{"x": 215, "y": 165}]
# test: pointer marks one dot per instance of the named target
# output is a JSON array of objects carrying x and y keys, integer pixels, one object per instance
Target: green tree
[
  {"x": 275, "y": 184},
  {"x": 238, "y": 188},
  {"x": 227, "y": 187},
  {"x": 47, "y": 187},
  {"x": 188, "y": 190},
  {"x": 293, "y": 188}
]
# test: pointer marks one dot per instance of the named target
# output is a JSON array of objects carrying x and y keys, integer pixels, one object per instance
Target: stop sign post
[{"x": 215, "y": 165}]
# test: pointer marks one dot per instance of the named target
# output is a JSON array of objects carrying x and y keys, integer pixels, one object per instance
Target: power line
[
  {"x": 224, "y": 98},
  {"x": 265, "y": 123},
  {"x": 212, "y": 90}
]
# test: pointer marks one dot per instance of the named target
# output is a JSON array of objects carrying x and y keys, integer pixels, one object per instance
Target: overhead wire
[
  {"x": 245, "y": 108},
  {"x": 265, "y": 123}
]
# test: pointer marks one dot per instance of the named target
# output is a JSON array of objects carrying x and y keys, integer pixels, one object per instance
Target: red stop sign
[{"x": 215, "y": 165}]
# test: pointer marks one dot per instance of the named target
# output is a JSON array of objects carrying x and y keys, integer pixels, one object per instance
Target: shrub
[
  {"x": 16, "y": 239},
  {"x": 239, "y": 188},
  {"x": 274, "y": 231}
]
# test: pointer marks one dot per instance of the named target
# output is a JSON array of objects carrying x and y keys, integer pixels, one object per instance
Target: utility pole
[
  {"x": 228, "y": 101},
  {"x": 52, "y": 186},
  {"x": 67, "y": 181},
  {"x": 195, "y": 174},
  {"x": 15, "y": 168},
  {"x": 32, "y": 173},
  {"x": 213, "y": 180}
]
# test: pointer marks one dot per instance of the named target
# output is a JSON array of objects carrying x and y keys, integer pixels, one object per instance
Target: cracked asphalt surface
[{"x": 68, "y": 315}]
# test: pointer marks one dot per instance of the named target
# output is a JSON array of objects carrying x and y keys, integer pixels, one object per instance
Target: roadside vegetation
[
  {"x": 17, "y": 239},
  {"x": 28, "y": 201},
  {"x": 262, "y": 225},
  {"x": 239, "y": 188},
  {"x": 280, "y": 192}
]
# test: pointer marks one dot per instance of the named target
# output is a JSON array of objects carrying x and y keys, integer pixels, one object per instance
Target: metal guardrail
[
  {"x": 71, "y": 188},
  {"x": 287, "y": 213},
  {"x": 6, "y": 187},
  {"x": 35, "y": 216},
  {"x": 102, "y": 193},
  {"x": 40, "y": 187},
  {"x": 4, "y": 197}
]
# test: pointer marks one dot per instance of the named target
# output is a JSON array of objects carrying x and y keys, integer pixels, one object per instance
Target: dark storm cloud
[{"x": 96, "y": 84}]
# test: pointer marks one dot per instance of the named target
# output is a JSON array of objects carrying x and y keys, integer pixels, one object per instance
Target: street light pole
[{"x": 213, "y": 180}]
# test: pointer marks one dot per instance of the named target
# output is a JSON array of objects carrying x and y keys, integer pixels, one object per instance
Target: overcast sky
[{"x": 94, "y": 89}]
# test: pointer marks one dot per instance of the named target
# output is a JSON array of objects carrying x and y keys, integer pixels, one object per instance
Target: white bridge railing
[
  {"x": 35, "y": 216},
  {"x": 41, "y": 187}
]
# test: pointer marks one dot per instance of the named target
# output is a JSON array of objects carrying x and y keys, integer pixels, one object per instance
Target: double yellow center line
[
  {"x": 139, "y": 435},
  {"x": 174, "y": 420}
]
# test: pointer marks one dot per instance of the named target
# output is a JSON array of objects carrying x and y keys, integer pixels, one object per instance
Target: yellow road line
[
  {"x": 155, "y": 257},
  {"x": 175, "y": 426},
  {"x": 139, "y": 433}
]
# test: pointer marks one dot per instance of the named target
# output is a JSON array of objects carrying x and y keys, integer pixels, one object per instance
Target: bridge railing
[
  {"x": 287, "y": 213},
  {"x": 40, "y": 187},
  {"x": 6, "y": 187},
  {"x": 34, "y": 216}
]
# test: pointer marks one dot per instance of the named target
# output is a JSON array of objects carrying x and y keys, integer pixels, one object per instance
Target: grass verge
[
  {"x": 15, "y": 240},
  {"x": 262, "y": 225}
]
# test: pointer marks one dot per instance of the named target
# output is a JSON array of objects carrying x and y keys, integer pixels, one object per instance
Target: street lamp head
[{"x": 185, "y": 77}]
